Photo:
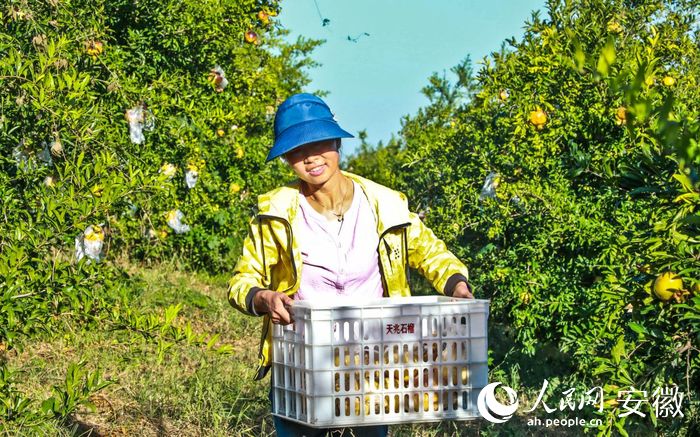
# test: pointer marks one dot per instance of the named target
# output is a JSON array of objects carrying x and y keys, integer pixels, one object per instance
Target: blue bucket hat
[{"x": 302, "y": 119}]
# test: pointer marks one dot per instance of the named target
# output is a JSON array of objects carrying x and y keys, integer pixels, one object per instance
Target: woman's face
[{"x": 316, "y": 162}]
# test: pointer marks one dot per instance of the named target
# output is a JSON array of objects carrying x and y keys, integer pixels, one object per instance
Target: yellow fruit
[
  {"x": 397, "y": 380},
  {"x": 95, "y": 234},
  {"x": 251, "y": 37},
  {"x": 503, "y": 95},
  {"x": 538, "y": 118},
  {"x": 264, "y": 17},
  {"x": 666, "y": 285},
  {"x": 614, "y": 27},
  {"x": 234, "y": 188},
  {"x": 426, "y": 402},
  {"x": 669, "y": 81},
  {"x": 611, "y": 403},
  {"x": 621, "y": 115},
  {"x": 94, "y": 48},
  {"x": 239, "y": 152},
  {"x": 220, "y": 132},
  {"x": 162, "y": 234},
  {"x": 168, "y": 169},
  {"x": 171, "y": 215}
]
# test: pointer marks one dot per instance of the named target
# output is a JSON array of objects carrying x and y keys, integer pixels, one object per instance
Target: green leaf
[
  {"x": 639, "y": 329},
  {"x": 48, "y": 405},
  {"x": 618, "y": 350},
  {"x": 212, "y": 341},
  {"x": 621, "y": 428},
  {"x": 607, "y": 57},
  {"x": 225, "y": 349},
  {"x": 685, "y": 181}
]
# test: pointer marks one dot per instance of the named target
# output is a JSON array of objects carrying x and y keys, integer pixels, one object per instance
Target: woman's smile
[{"x": 317, "y": 171}]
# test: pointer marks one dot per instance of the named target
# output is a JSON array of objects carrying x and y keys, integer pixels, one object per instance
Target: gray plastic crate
[{"x": 391, "y": 360}]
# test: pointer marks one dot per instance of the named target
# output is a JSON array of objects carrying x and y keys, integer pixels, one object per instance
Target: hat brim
[{"x": 305, "y": 133}]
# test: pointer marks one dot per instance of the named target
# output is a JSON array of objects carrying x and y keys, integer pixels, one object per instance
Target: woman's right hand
[{"x": 275, "y": 305}]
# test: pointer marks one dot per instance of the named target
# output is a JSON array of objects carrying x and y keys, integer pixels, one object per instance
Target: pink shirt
[{"x": 339, "y": 258}]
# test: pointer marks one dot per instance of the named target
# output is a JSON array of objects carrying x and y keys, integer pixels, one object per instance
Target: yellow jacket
[{"x": 271, "y": 258}]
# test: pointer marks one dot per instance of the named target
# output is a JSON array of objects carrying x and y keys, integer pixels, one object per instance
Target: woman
[{"x": 330, "y": 233}]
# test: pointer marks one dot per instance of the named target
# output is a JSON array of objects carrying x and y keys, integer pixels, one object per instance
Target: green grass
[
  {"x": 167, "y": 387},
  {"x": 188, "y": 390}
]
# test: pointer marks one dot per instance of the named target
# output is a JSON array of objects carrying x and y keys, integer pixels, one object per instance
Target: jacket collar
[{"x": 283, "y": 202}]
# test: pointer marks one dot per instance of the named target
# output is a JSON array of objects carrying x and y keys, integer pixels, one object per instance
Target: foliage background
[
  {"x": 69, "y": 71},
  {"x": 588, "y": 209}
]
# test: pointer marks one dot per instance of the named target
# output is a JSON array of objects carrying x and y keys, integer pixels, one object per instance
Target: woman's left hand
[{"x": 462, "y": 290}]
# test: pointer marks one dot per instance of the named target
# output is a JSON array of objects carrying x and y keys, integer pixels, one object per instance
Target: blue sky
[{"x": 376, "y": 80}]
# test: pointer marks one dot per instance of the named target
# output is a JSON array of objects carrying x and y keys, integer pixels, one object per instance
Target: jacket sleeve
[
  {"x": 430, "y": 256},
  {"x": 252, "y": 269}
]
